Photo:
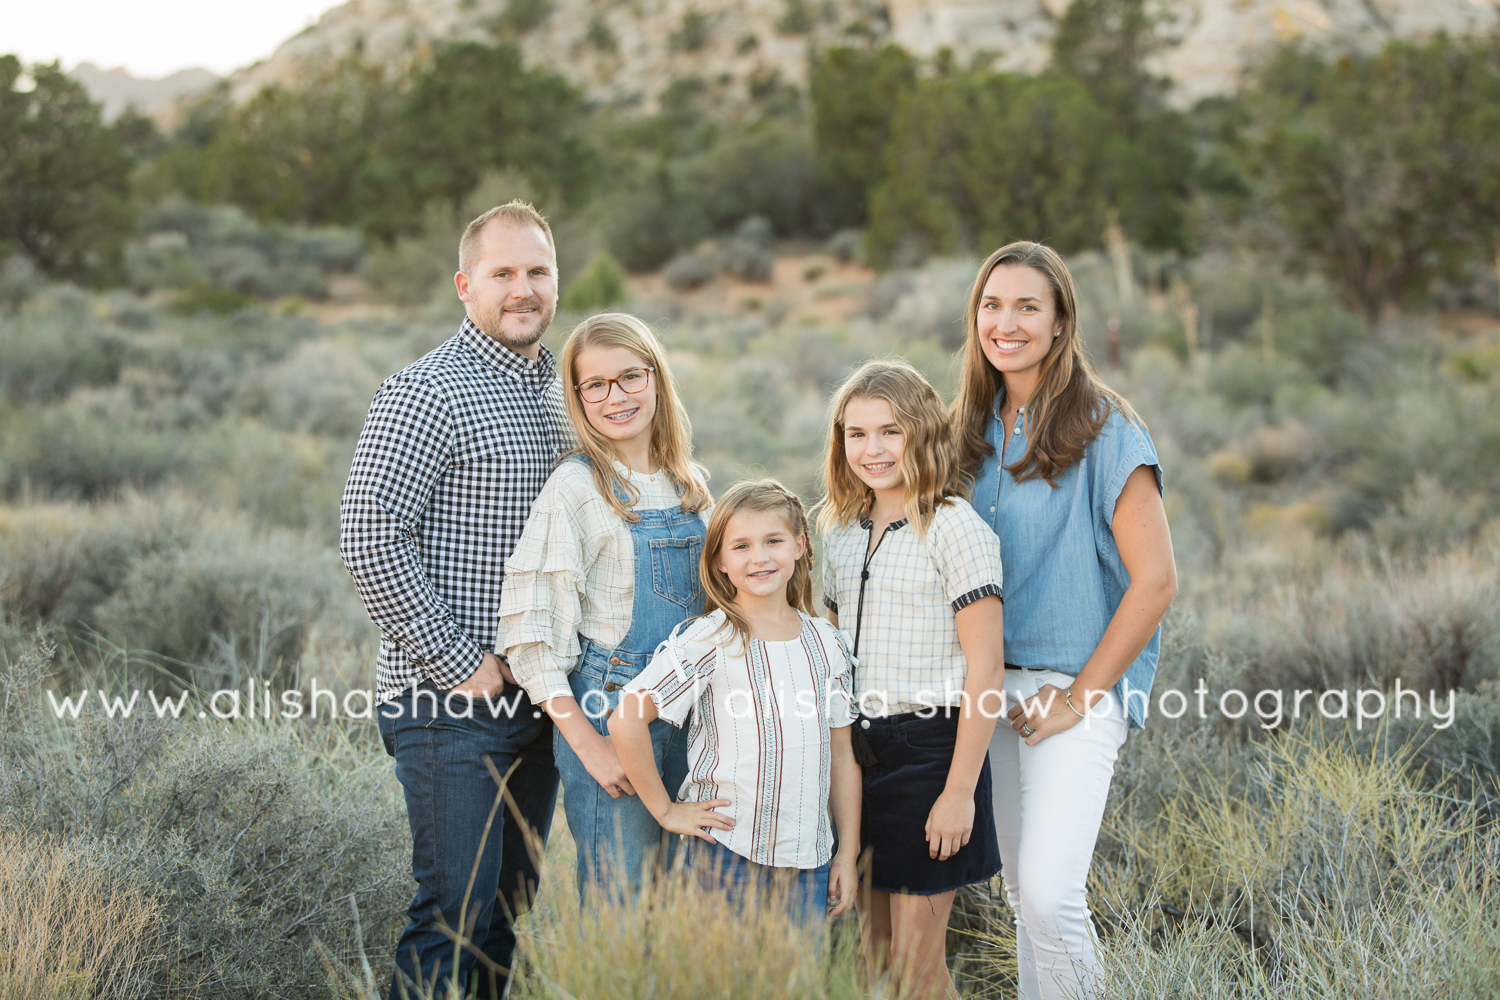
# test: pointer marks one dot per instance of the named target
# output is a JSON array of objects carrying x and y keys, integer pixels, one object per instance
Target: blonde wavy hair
[
  {"x": 929, "y": 462},
  {"x": 671, "y": 432},
  {"x": 754, "y": 495},
  {"x": 1071, "y": 403}
]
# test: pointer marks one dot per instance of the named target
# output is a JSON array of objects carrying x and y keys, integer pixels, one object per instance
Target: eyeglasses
[{"x": 632, "y": 381}]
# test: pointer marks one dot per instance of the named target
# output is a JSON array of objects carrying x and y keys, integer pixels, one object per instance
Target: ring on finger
[{"x": 1026, "y": 730}]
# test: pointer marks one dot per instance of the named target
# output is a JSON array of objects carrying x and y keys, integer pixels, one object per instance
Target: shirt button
[
  {"x": 614, "y": 661},
  {"x": 992, "y": 510},
  {"x": 864, "y": 723},
  {"x": 610, "y": 686}
]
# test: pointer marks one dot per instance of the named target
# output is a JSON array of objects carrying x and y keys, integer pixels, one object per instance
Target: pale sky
[{"x": 152, "y": 38}]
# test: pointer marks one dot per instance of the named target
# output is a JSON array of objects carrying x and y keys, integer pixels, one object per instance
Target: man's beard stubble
[{"x": 489, "y": 322}]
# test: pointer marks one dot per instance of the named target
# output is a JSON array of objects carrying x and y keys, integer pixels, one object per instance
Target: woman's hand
[
  {"x": 690, "y": 818},
  {"x": 1045, "y": 714},
  {"x": 843, "y": 881},
  {"x": 603, "y": 764},
  {"x": 949, "y": 823}
]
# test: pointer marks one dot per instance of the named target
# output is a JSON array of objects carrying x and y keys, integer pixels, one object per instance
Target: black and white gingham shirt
[{"x": 454, "y": 450}]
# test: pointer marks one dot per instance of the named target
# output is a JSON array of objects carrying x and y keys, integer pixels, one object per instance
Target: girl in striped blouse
[{"x": 765, "y": 685}]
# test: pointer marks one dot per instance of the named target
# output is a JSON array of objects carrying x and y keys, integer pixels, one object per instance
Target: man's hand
[{"x": 491, "y": 677}]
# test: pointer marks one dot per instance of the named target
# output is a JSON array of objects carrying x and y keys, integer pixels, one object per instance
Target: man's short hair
[{"x": 517, "y": 213}]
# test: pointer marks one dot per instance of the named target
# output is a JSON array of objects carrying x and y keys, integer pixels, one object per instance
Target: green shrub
[
  {"x": 219, "y": 256},
  {"x": 168, "y": 577},
  {"x": 601, "y": 284},
  {"x": 253, "y": 840},
  {"x": 688, "y": 271},
  {"x": 55, "y": 344}
]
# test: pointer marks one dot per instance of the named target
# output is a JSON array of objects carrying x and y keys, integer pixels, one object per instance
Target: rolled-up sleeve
[
  {"x": 404, "y": 447},
  {"x": 1121, "y": 447},
  {"x": 967, "y": 555}
]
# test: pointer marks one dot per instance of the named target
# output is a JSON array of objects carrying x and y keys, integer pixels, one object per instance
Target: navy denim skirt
[{"x": 913, "y": 756}]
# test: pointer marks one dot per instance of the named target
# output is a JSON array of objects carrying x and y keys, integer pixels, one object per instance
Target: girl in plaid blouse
[{"x": 914, "y": 574}]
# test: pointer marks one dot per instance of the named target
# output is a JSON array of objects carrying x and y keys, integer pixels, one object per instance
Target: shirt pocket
[{"x": 674, "y": 569}]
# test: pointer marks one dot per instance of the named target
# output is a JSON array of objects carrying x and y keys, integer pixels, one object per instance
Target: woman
[{"x": 1067, "y": 476}]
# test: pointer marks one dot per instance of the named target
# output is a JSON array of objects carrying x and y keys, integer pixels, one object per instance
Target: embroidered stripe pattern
[{"x": 758, "y": 731}]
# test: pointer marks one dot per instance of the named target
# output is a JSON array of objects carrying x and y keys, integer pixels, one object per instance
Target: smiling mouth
[
  {"x": 761, "y": 574},
  {"x": 622, "y": 416},
  {"x": 1007, "y": 346},
  {"x": 879, "y": 468}
]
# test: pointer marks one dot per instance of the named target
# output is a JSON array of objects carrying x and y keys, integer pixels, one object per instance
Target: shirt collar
[
  {"x": 503, "y": 358},
  {"x": 867, "y": 524}
]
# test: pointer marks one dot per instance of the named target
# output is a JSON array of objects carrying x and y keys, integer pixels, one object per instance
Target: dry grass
[
  {"x": 676, "y": 942},
  {"x": 67, "y": 928},
  {"x": 1312, "y": 868}
]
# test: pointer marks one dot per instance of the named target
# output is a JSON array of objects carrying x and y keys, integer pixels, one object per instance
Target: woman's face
[
  {"x": 1018, "y": 319},
  {"x": 620, "y": 416}
]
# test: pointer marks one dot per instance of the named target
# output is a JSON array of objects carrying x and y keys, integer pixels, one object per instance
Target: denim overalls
[{"x": 612, "y": 835}]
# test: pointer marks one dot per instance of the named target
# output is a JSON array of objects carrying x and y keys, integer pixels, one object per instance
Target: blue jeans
[
  {"x": 615, "y": 837},
  {"x": 440, "y": 762},
  {"x": 717, "y": 868}
]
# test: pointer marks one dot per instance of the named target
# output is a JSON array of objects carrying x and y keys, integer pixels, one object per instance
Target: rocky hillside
[
  {"x": 117, "y": 90},
  {"x": 628, "y": 51}
]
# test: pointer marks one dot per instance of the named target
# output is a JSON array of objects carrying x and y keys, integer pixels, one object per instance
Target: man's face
[{"x": 511, "y": 291}]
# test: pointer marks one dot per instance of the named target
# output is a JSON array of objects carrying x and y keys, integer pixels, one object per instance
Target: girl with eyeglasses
[{"x": 605, "y": 569}]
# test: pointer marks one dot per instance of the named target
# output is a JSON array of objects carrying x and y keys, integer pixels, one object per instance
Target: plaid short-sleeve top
[{"x": 909, "y": 657}]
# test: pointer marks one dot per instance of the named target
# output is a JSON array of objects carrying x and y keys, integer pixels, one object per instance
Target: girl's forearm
[
  {"x": 845, "y": 794},
  {"x": 632, "y": 737},
  {"x": 975, "y": 728},
  {"x": 978, "y": 626},
  {"x": 568, "y": 716}
]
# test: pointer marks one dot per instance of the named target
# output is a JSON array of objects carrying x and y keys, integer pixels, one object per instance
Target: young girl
[
  {"x": 766, "y": 685},
  {"x": 914, "y": 574},
  {"x": 606, "y": 567}
]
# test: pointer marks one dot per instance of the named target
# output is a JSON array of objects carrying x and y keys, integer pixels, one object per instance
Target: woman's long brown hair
[
  {"x": 1071, "y": 403},
  {"x": 671, "y": 433},
  {"x": 754, "y": 495},
  {"x": 929, "y": 462}
]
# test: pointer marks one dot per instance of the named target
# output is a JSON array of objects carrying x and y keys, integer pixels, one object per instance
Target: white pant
[{"x": 1049, "y": 801}]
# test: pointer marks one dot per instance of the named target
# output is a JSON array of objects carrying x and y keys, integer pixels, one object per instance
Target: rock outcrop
[{"x": 627, "y": 52}]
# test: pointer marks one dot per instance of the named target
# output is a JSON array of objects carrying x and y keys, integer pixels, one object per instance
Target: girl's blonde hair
[
  {"x": 671, "y": 433},
  {"x": 929, "y": 462},
  {"x": 754, "y": 495},
  {"x": 1071, "y": 403}
]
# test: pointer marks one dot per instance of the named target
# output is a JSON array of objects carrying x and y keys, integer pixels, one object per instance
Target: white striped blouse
[{"x": 758, "y": 735}]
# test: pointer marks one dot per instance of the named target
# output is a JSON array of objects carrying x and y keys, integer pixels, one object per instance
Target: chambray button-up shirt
[{"x": 1063, "y": 575}]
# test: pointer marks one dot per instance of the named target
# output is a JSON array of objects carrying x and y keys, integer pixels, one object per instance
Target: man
[{"x": 454, "y": 450}]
